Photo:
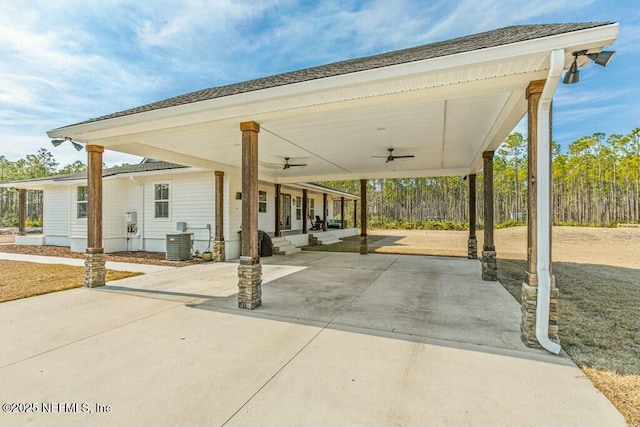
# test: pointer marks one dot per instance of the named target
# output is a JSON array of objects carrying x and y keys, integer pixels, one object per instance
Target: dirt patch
[
  {"x": 7, "y": 238},
  {"x": 140, "y": 257},
  {"x": 617, "y": 247}
]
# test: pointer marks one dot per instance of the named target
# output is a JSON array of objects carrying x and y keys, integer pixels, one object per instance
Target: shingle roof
[
  {"x": 499, "y": 37},
  {"x": 116, "y": 170}
]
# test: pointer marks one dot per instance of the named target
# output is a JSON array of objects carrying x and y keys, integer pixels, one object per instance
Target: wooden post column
[
  {"x": 364, "y": 249},
  {"x": 530, "y": 285},
  {"x": 473, "y": 242},
  {"x": 94, "y": 268},
  {"x": 305, "y": 211},
  {"x": 278, "y": 232},
  {"x": 218, "y": 241},
  {"x": 22, "y": 211},
  {"x": 249, "y": 270},
  {"x": 489, "y": 263},
  {"x": 342, "y": 212},
  {"x": 324, "y": 211},
  {"x": 355, "y": 214}
]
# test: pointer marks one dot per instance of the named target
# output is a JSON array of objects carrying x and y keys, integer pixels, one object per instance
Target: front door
[{"x": 285, "y": 211}]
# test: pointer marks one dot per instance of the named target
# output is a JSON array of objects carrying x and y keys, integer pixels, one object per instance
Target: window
[
  {"x": 262, "y": 201},
  {"x": 81, "y": 201},
  {"x": 298, "y": 208},
  {"x": 161, "y": 198},
  {"x": 312, "y": 208}
]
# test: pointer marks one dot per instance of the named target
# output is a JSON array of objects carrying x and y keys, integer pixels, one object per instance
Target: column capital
[
  {"x": 487, "y": 154},
  {"x": 250, "y": 126},
  {"x": 219, "y": 173},
  {"x": 535, "y": 86},
  {"x": 94, "y": 148}
]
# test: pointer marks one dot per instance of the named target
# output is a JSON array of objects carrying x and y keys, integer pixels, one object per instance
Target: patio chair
[{"x": 315, "y": 225}]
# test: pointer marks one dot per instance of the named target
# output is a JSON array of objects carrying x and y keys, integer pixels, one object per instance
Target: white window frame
[
  {"x": 311, "y": 204},
  {"x": 262, "y": 201},
  {"x": 82, "y": 202},
  {"x": 167, "y": 201},
  {"x": 298, "y": 208}
]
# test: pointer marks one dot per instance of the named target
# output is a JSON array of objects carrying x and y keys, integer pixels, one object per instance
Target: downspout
[
  {"x": 141, "y": 220},
  {"x": 543, "y": 267}
]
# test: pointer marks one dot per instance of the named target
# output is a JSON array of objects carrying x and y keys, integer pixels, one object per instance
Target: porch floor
[{"x": 341, "y": 339}]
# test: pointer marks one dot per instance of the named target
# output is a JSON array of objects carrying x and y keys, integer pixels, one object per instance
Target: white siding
[
  {"x": 56, "y": 213},
  {"x": 191, "y": 200},
  {"x": 55, "y": 216},
  {"x": 78, "y": 225}
]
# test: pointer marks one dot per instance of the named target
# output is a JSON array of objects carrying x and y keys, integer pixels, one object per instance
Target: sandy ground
[
  {"x": 617, "y": 247},
  {"x": 7, "y": 238}
]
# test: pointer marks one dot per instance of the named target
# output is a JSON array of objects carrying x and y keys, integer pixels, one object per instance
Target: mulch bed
[{"x": 140, "y": 257}]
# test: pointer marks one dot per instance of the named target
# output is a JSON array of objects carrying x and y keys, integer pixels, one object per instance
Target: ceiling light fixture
[{"x": 602, "y": 58}]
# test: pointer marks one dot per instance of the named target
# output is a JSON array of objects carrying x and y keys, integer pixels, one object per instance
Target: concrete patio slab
[{"x": 341, "y": 339}]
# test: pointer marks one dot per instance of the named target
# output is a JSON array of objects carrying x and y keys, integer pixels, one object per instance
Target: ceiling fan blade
[
  {"x": 298, "y": 164},
  {"x": 403, "y": 157},
  {"x": 269, "y": 165},
  {"x": 379, "y": 157}
]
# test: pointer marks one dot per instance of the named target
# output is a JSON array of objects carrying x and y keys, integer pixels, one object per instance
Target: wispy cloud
[{"x": 67, "y": 61}]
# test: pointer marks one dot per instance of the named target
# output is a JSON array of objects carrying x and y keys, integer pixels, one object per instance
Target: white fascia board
[
  {"x": 592, "y": 37},
  {"x": 30, "y": 185}
]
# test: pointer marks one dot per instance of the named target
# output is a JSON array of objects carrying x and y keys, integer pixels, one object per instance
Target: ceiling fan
[
  {"x": 391, "y": 157},
  {"x": 286, "y": 164}
]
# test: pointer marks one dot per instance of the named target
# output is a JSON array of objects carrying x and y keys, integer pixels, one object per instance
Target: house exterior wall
[
  {"x": 55, "y": 216},
  {"x": 191, "y": 200}
]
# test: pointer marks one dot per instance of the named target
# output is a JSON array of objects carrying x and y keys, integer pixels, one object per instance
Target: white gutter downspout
[
  {"x": 141, "y": 245},
  {"x": 543, "y": 267}
]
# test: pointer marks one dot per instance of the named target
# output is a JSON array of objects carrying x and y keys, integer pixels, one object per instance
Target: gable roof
[{"x": 494, "y": 38}]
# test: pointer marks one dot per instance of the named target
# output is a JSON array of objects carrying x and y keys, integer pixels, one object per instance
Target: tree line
[
  {"x": 596, "y": 182},
  {"x": 32, "y": 166}
]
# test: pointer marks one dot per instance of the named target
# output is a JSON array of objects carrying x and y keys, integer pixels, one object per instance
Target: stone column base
[
  {"x": 472, "y": 248},
  {"x": 489, "y": 266},
  {"x": 529, "y": 305},
  {"x": 364, "y": 247},
  {"x": 313, "y": 240},
  {"x": 218, "y": 251},
  {"x": 249, "y": 283},
  {"x": 94, "y": 270}
]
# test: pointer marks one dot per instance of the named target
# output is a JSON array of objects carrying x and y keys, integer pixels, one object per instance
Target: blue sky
[{"x": 63, "y": 61}]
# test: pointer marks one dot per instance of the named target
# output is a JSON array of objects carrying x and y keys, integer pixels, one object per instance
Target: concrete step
[
  {"x": 282, "y": 246},
  {"x": 326, "y": 238},
  {"x": 329, "y": 240},
  {"x": 291, "y": 249}
]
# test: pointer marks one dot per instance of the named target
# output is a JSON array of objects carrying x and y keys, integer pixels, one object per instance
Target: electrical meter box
[{"x": 131, "y": 217}]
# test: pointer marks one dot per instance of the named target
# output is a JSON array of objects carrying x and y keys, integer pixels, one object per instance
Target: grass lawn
[
  {"x": 599, "y": 325},
  {"x": 26, "y": 279}
]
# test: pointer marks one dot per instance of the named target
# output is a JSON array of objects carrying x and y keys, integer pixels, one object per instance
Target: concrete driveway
[{"x": 341, "y": 339}]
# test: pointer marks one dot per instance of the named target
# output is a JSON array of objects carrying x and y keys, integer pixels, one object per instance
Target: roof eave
[{"x": 190, "y": 113}]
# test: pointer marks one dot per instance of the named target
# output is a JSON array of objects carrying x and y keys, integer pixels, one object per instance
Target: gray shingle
[
  {"x": 480, "y": 41},
  {"x": 116, "y": 170}
]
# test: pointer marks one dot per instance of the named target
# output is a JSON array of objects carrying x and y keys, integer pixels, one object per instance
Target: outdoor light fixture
[
  {"x": 57, "y": 142},
  {"x": 602, "y": 58}
]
